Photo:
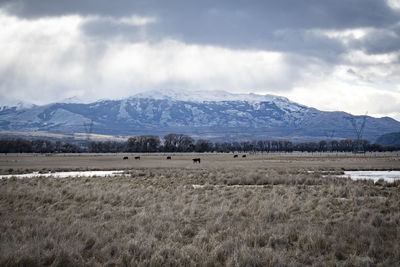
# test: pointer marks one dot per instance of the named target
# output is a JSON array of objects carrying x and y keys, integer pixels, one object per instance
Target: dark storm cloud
[
  {"x": 306, "y": 43},
  {"x": 284, "y": 13},
  {"x": 246, "y": 24},
  {"x": 379, "y": 42},
  {"x": 322, "y": 53}
]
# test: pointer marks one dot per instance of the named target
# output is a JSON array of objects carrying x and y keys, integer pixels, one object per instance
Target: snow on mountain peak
[
  {"x": 18, "y": 106},
  {"x": 208, "y": 96},
  {"x": 24, "y": 105},
  {"x": 218, "y": 96},
  {"x": 73, "y": 100}
]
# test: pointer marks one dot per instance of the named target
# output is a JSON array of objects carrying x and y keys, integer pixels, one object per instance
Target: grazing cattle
[
  {"x": 196, "y": 160},
  {"x": 235, "y": 156},
  {"x": 243, "y": 156},
  {"x": 137, "y": 157},
  {"x": 125, "y": 158},
  {"x": 168, "y": 157}
]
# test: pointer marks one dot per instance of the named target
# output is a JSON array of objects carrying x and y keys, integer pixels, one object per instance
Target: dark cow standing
[
  {"x": 235, "y": 156},
  {"x": 196, "y": 160},
  {"x": 169, "y": 157},
  {"x": 137, "y": 157},
  {"x": 243, "y": 156},
  {"x": 125, "y": 158}
]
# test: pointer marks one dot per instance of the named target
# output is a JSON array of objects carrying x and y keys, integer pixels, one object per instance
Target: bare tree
[
  {"x": 143, "y": 143},
  {"x": 203, "y": 146},
  {"x": 178, "y": 143}
]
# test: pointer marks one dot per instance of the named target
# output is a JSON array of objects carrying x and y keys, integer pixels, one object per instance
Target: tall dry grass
[{"x": 155, "y": 217}]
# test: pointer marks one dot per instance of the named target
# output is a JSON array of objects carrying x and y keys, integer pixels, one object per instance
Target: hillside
[
  {"x": 390, "y": 139},
  {"x": 213, "y": 115}
]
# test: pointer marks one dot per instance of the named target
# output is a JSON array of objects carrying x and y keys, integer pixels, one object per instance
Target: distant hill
[
  {"x": 217, "y": 116},
  {"x": 390, "y": 139}
]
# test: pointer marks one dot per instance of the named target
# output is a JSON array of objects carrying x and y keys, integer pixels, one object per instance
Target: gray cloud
[
  {"x": 224, "y": 22},
  {"x": 307, "y": 43},
  {"x": 379, "y": 42},
  {"x": 109, "y": 48},
  {"x": 274, "y": 25},
  {"x": 104, "y": 28},
  {"x": 285, "y": 13}
]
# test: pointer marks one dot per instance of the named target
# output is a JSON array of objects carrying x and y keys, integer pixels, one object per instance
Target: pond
[
  {"x": 388, "y": 176},
  {"x": 66, "y": 174}
]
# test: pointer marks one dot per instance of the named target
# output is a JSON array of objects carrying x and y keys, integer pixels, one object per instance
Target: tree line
[{"x": 184, "y": 143}]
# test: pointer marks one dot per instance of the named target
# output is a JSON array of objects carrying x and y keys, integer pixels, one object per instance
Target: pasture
[{"x": 261, "y": 210}]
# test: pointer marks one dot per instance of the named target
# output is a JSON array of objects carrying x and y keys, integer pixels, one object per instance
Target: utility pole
[
  {"x": 88, "y": 129},
  {"x": 330, "y": 135},
  {"x": 358, "y": 147}
]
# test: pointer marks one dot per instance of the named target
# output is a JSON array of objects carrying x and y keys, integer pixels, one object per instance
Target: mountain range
[{"x": 214, "y": 115}]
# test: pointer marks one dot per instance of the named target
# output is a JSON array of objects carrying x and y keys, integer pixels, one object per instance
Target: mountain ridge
[
  {"x": 389, "y": 139},
  {"x": 206, "y": 96},
  {"x": 214, "y": 115}
]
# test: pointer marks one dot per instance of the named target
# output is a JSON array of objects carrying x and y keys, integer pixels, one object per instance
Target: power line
[
  {"x": 88, "y": 129},
  {"x": 358, "y": 147}
]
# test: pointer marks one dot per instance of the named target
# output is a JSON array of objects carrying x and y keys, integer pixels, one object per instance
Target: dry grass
[
  {"x": 154, "y": 217},
  {"x": 22, "y": 163}
]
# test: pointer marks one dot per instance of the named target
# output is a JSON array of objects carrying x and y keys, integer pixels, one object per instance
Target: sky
[{"x": 327, "y": 54}]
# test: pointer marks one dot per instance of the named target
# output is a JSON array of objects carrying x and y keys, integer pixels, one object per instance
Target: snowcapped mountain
[
  {"x": 18, "y": 106},
  {"x": 216, "y": 115},
  {"x": 73, "y": 100},
  {"x": 207, "y": 96},
  {"x": 216, "y": 96}
]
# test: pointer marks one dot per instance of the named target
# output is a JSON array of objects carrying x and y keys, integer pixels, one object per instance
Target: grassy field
[{"x": 262, "y": 210}]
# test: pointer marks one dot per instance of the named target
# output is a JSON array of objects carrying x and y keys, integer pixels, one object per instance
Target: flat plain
[{"x": 263, "y": 210}]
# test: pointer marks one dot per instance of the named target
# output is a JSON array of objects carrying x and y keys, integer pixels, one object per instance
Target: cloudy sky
[{"x": 328, "y": 54}]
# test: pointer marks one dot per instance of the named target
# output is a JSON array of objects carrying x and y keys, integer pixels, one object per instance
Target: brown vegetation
[
  {"x": 23, "y": 163},
  {"x": 154, "y": 216}
]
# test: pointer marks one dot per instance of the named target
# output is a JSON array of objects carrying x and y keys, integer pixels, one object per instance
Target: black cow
[
  {"x": 243, "y": 156},
  {"x": 137, "y": 157},
  {"x": 168, "y": 157},
  {"x": 125, "y": 158},
  {"x": 196, "y": 160},
  {"x": 235, "y": 156}
]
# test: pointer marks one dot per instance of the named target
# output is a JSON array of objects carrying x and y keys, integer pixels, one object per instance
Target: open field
[
  {"x": 21, "y": 163},
  {"x": 298, "y": 214}
]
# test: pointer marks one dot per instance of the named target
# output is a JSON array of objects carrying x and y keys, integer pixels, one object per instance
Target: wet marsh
[{"x": 294, "y": 211}]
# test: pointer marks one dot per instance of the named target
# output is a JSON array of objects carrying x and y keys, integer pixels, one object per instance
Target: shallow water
[
  {"x": 197, "y": 186},
  {"x": 66, "y": 174},
  {"x": 388, "y": 176}
]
